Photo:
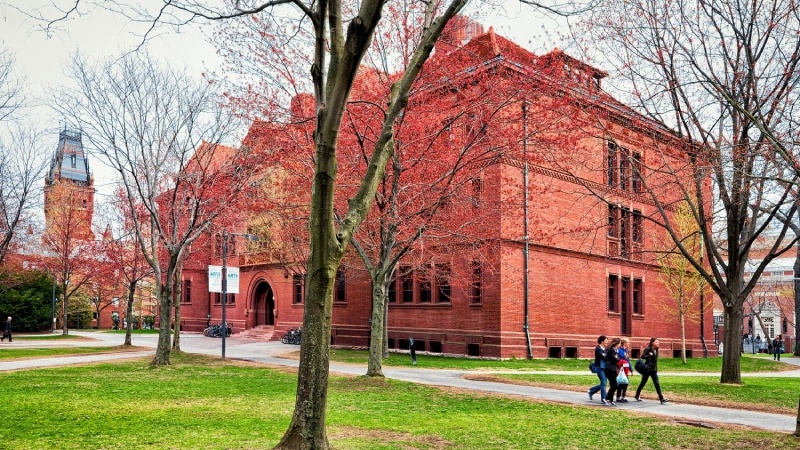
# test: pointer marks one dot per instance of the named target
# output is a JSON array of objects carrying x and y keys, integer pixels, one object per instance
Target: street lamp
[
  {"x": 225, "y": 235},
  {"x": 224, "y": 287},
  {"x": 53, "y": 325}
]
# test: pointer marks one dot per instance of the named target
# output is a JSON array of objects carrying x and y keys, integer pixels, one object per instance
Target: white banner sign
[{"x": 215, "y": 279}]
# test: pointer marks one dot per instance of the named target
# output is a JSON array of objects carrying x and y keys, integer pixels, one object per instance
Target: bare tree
[
  {"x": 22, "y": 169},
  {"x": 159, "y": 129},
  {"x": 11, "y": 94},
  {"x": 22, "y": 165},
  {"x": 723, "y": 74}
]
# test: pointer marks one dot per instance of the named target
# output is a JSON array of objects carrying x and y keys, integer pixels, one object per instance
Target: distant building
[
  {"x": 590, "y": 281},
  {"x": 70, "y": 180}
]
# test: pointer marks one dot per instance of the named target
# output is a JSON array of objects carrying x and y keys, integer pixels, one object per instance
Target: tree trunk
[
  {"x": 64, "y": 313},
  {"x": 97, "y": 310},
  {"x": 307, "y": 429},
  {"x": 176, "y": 300},
  {"x": 129, "y": 311},
  {"x": 731, "y": 371},
  {"x": 386, "y": 328},
  {"x": 377, "y": 330},
  {"x": 165, "y": 307},
  {"x": 797, "y": 421},
  {"x": 683, "y": 337},
  {"x": 796, "y": 349}
]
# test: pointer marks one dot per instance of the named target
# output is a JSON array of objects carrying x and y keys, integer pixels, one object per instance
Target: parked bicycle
[
  {"x": 216, "y": 331},
  {"x": 292, "y": 336}
]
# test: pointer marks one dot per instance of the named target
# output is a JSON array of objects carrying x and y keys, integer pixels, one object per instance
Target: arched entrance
[{"x": 264, "y": 305}]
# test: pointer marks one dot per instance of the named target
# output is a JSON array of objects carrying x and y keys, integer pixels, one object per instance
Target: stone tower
[{"x": 69, "y": 189}]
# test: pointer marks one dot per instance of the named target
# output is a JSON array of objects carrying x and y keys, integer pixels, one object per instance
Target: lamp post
[
  {"x": 224, "y": 281},
  {"x": 224, "y": 287},
  {"x": 53, "y": 324}
]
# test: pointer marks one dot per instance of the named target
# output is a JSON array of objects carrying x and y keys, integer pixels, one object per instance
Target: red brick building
[{"x": 589, "y": 252}]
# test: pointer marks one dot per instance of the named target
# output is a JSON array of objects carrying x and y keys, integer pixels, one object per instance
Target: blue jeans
[{"x": 601, "y": 374}]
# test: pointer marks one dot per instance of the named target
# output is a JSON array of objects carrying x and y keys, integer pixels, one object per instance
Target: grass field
[
  {"x": 205, "y": 403},
  {"x": 14, "y": 353}
]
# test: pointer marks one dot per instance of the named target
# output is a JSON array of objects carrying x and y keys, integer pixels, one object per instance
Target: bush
[{"x": 26, "y": 295}]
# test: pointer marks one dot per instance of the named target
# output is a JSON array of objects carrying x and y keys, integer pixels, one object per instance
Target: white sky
[{"x": 41, "y": 60}]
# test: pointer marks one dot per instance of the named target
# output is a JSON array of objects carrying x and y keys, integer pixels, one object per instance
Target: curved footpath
[{"x": 267, "y": 353}]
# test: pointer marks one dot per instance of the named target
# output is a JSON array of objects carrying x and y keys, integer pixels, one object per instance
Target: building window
[
  {"x": 217, "y": 298},
  {"x": 476, "y": 294},
  {"x": 443, "y": 282},
  {"x": 624, "y": 169},
  {"x": 636, "y": 175},
  {"x": 186, "y": 295},
  {"x": 231, "y": 300},
  {"x": 393, "y": 290},
  {"x": 341, "y": 287},
  {"x": 636, "y": 227},
  {"x": 612, "y": 178},
  {"x": 297, "y": 288},
  {"x": 613, "y": 227},
  {"x": 477, "y": 187},
  {"x": 625, "y": 233},
  {"x": 613, "y": 289},
  {"x": 407, "y": 284},
  {"x": 625, "y": 291},
  {"x": 73, "y": 160},
  {"x": 425, "y": 288},
  {"x": 637, "y": 296}
]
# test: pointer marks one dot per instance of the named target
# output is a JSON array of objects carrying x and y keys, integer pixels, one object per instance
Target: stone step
[{"x": 259, "y": 333}]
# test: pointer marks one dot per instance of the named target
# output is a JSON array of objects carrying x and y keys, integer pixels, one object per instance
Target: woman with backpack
[
  {"x": 612, "y": 370},
  {"x": 650, "y": 358}
]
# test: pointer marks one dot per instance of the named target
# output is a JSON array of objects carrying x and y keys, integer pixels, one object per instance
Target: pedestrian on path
[
  {"x": 777, "y": 347},
  {"x": 7, "y": 330},
  {"x": 599, "y": 362},
  {"x": 624, "y": 370},
  {"x": 650, "y": 358},
  {"x": 612, "y": 370}
]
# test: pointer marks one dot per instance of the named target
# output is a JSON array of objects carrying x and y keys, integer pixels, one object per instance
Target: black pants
[
  {"x": 654, "y": 376},
  {"x": 611, "y": 375}
]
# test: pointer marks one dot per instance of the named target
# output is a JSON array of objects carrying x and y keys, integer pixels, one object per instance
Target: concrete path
[{"x": 268, "y": 353}]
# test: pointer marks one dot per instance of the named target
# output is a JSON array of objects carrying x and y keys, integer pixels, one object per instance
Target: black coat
[
  {"x": 612, "y": 359},
  {"x": 650, "y": 358}
]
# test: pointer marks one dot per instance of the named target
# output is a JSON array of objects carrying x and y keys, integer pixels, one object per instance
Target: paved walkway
[{"x": 268, "y": 353}]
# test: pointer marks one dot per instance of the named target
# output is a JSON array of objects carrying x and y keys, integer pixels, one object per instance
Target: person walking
[
  {"x": 777, "y": 347},
  {"x": 612, "y": 370},
  {"x": 624, "y": 368},
  {"x": 7, "y": 330},
  {"x": 650, "y": 358},
  {"x": 599, "y": 362}
]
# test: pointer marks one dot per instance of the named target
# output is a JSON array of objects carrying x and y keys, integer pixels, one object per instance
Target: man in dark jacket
[
  {"x": 777, "y": 347},
  {"x": 7, "y": 330}
]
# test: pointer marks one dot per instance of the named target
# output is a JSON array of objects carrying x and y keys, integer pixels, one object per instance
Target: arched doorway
[{"x": 264, "y": 305}]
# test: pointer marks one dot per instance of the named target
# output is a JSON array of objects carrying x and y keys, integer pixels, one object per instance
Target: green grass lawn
[
  {"x": 714, "y": 364},
  {"x": 43, "y": 337},
  {"x": 204, "y": 403},
  {"x": 13, "y": 353}
]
